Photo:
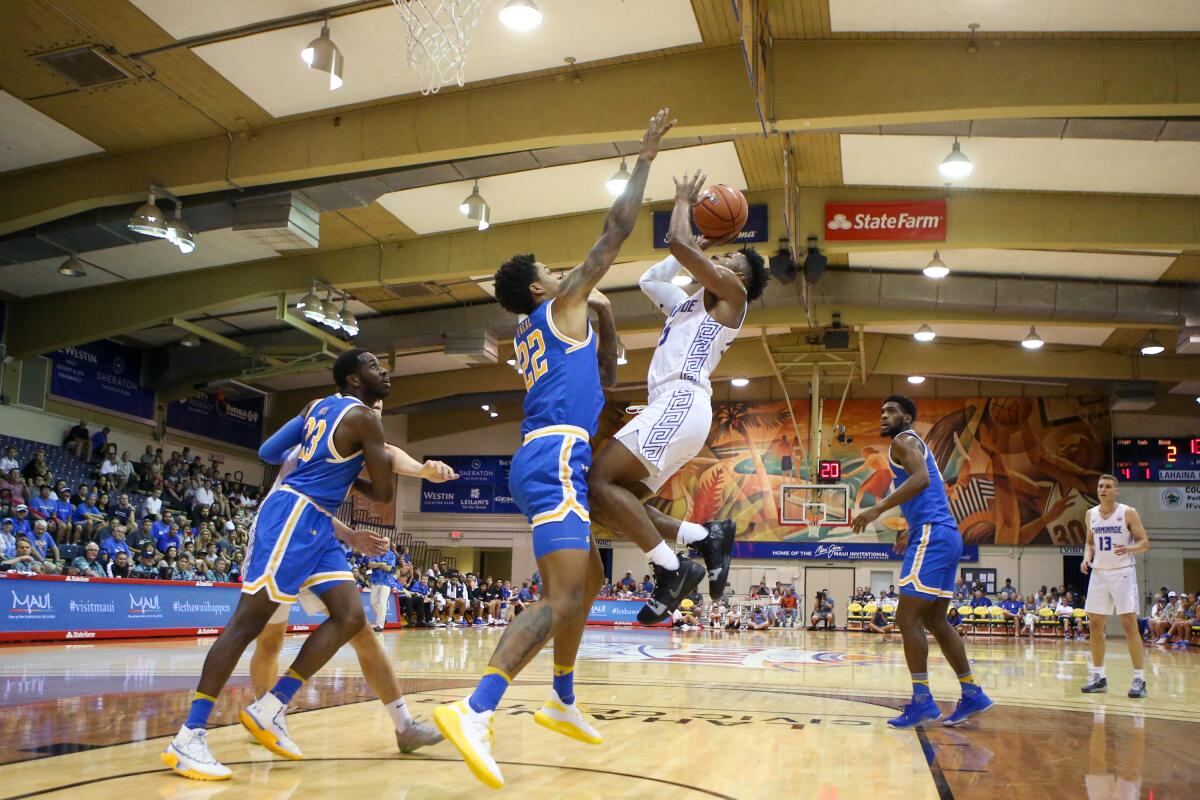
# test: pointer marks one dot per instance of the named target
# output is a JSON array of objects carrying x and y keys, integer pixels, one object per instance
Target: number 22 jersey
[{"x": 562, "y": 377}]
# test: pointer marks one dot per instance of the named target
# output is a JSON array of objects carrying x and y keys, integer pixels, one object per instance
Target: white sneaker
[
  {"x": 266, "y": 719},
  {"x": 569, "y": 720},
  {"x": 471, "y": 733},
  {"x": 188, "y": 755}
]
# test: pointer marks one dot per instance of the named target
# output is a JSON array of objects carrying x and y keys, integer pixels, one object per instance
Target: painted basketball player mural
[{"x": 1018, "y": 470}]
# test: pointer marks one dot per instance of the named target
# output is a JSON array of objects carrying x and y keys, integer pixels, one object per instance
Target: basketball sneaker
[
  {"x": 1096, "y": 684},
  {"x": 266, "y": 720},
  {"x": 188, "y": 755},
  {"x": 916, "y": 713},
  {"x": 717, "y": 549},
  {"x": 1138, "y": 688},
  {"x": 471, "y": 733},
  {"x": 968, "y": 707},
  {"x": 417, "y": 735},
  {"x": 569, "y": 720},
  {"x": 670, "y": 587}
]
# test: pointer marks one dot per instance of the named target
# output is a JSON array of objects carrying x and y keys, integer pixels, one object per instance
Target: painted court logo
[{"x": 721, "y": 655}]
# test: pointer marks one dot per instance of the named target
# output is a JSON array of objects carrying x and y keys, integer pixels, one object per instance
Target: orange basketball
[{"x": 721, "y": 211}]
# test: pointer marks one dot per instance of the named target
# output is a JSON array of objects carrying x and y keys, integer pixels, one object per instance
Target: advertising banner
[
  {"x": 832, "y": 551},
  {"x": 607, "y": 611},
  {"x": 47, "y": 608},
  {"x": 901, "y": 221},
  {"x": 235, "y": 422},
  {"x": 755, "y": 229},
  {"x": 1180, "y": 498},
  {"x": 481, "y": 488},
  {"x": 103, "y": 374}
]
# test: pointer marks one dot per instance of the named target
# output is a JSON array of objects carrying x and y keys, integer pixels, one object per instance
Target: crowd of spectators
[{"x": 1171, "y": 619}]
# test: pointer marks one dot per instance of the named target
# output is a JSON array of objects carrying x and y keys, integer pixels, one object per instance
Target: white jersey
[
  {"x": 1107, "y": 533},
  {"x": 690, "y": 347}
]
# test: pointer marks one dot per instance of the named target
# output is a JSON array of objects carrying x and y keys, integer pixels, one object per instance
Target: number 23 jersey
[{"x": 562, "y": 378}]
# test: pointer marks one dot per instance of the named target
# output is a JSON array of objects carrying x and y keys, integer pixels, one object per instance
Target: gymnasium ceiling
[{"x": 1082, "y": 118}]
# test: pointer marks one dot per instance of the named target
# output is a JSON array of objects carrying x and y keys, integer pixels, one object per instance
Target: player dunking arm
[
  {"x": 1114, "y": 533},
  {"x": 674, "y": 426},
  {"x": 557, "y": 356},
  {"x": 292, "y": 547},
  {"x": 929, "y": 570},
  {"x": 376, "y": 668}
]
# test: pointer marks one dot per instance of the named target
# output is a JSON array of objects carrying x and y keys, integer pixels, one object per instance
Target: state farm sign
[{"x": 903, "y": 221}]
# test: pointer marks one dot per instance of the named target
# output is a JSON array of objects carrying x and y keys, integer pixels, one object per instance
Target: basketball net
[
  {"x": 439, "y": 36},
  {"x": 814, "y": 515}
]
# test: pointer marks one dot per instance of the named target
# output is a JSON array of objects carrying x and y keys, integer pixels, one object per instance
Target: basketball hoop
[
  {"x": 439, "y": 36},
  {"x": 814, "y": 515}
]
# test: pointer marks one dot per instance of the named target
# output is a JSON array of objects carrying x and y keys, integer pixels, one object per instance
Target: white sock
[
  {"x": 398, "y": 711},
  {"x": 691, "y": 532},
  {"x": 664, "y": 556},
  {"x": 1139, "y": 674},
  {"x": 1098, "y": 672}
]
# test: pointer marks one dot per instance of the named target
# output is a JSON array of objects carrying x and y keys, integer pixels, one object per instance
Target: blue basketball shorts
[
  {"x": 292, "y": 547},
  {"x": 931, "y": 562},
  {"x": 548, "y": 481}
]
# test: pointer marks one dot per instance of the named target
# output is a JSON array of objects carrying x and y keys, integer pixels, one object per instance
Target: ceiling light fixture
[
  {"x": 493, "y": 414},
  {"x": 348, "y": 321},
  {"x": 682, "y": 279},
  {"x": 1152, "y": 346},
  {"x": 956, "y": 165},
  {"x": 178, "y": 232},
  {"x": 616, "y": 184},
  {"x": 322, "y": 54},
  {"x": 72, "y": 267},
  {"x": 915, "y": 379},
  {"x": 486, "y": 407},
  {"x": 512, "y": 362},
  {"x": 330, "y": 317},
  {"x": 148, "y": 219},
  {"x": 521, "y": 15},
  {"x": 925, "y": 334},
  {"x": 310, "y": 306},
  {"x": 1032, "y": 341},
  {"x": 936, "y": 268},
  {"x": 622, "y": 356},
  {"x": 191, "y": 340},
  {"x": 740, "y": 382},
  {"x": 475, "y": 208}
]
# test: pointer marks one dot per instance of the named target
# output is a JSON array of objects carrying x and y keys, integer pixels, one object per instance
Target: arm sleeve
[
  {"x": 275, "y": 449},
  {"x": 656, "y": 284}
]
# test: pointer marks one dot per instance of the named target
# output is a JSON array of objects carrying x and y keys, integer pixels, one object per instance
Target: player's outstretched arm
[
  {"x": 368, "y": 543},
  {"x": 407, "y": 466},
  {"x": 367, "y": 429},
  {"x": 570, "y": 305},
  {"x": 718, "y": 280}
]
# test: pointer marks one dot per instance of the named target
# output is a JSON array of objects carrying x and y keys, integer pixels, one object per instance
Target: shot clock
[{"x": 1154, "y": 459}]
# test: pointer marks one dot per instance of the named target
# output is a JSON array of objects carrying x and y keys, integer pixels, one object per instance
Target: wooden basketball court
[{"x": 699, "y": 714}]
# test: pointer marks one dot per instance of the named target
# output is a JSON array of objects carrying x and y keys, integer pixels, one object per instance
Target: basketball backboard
[{"x": 799, "y": 502}]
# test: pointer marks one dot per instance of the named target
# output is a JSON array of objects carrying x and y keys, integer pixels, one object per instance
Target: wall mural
[{"x": 1018, "y": 470}]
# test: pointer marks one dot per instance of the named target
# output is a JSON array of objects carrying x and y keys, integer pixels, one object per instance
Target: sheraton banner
[
  {"x": 481, "y": 488},
  {"x": 102, "y": 374},
  {"x": 901, "y": 221}
]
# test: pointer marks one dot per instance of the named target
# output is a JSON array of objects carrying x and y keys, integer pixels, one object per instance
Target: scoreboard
[{"x": 1157, "y": 459}]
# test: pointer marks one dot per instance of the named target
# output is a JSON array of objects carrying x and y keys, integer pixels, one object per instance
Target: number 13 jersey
[
  {"x": 1107, "y": 533},
  {"x": 562, "y": 377}
]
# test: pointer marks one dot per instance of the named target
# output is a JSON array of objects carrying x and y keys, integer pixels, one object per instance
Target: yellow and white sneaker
[
  {"x": 569, "y": 720},
  {"x": 266, "y": 720},
  {"x": 471, "y": 732},
  {"x": 188, "y": 755}
]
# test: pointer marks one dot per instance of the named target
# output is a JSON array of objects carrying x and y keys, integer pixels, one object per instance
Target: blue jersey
[
  {"x": 322, "y": 473},
  {"x": 562, "y": 377},
  {"x": 930, "y": 507}
]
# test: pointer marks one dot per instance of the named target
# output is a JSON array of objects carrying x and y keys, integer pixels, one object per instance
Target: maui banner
[
  {"x": 102, "y": 374},
  {"x": 608, "y": 611},
  {"x": 833, "y": 551},
  {"x": 235, "y": 422},
  {"x": 1018, "y": 470},
  {"x": 46, "y": 608},
  {"x": 481, "y": 488}
]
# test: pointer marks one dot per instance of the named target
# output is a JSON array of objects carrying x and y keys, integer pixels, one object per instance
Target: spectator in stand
[
  {"x": 123, "y": 473},
  {"x": 220, "y": 571},
  {"x": 9, "y": 462},
  {"x": 1013, "y": 608},
  {"x": 956, "y": 621},
  {"x": 758, "y": 620},
  {"x": 422, "y": 602},
  {"x": 382, "y": 584},
  {"x": 979, "y": 598},
  {"x": 185, "y": 569},
  {"x": 202, "y": 496},
  {"x": 146, "y": 567},
  {"x": 647, "y": 585},
  {"x": 790, "y": 609},
  {"x": 152, "y": 505},
  {"x": 100, "y": 444},
  {"x": 220, "y": 501},
  {"x": 880, "y": 623},
  {"x": 120, "y": 566},
  {"x": 125, "y": 513},
  {"x": 166, "y": 565},
  {"x": 1180, "y": 632},
  {"x": 88, "y": 515},
  {"x": 1013, "y": 594},
  {"x": 78, "y": 441},
  {"x": 43, "y": 506},
  {"x": 628, "y": 582},
  {"x": 141, "y": 535},
  {"x": 1065, "y": 609},
  {"x": 35, "y": 467},
  {"x": 116, "y": 543},
  {"x": 1029, "y": 616},
  {"x": 64, "y": 517},
  {"x": 43, "y": 542},
  {"x": 1157, "y": 622},
  {"x": 169, "y": 538},
  {"x": 456, "y": 595},
  {"x": 88, "y": 564},
  {"x": 147, "y": 458},
  {"x": 23, "y": 560},
  {"x": 21, "y": 523},
  {"x": 822, "y": 612},
  {"x": 15, "y": 485}
]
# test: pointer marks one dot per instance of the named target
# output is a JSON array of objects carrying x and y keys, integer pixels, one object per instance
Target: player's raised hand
[
  {"x": 658, "y": 127},
  {"x": 368, "y": 543},
  {"x": 689, "y": 188},
  {"x": 438, "y": 472}
]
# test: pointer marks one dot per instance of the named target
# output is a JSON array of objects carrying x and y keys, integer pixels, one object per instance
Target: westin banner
[
  {"x": 236, "y": 422},
  {"x": 103, "y": 374},
  {"x": 481, "y": 488}
]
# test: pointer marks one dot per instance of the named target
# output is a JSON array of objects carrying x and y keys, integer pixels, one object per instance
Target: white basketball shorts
[
  {"x": 1112, "y": 591},
  {"x": 669, "y": 432},
  {"x": 308, "y": 601}
]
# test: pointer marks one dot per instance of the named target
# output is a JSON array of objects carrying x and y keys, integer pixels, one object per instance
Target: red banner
[{"x": 901, "y": 221}]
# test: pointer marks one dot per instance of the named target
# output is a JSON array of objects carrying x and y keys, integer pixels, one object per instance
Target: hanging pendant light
[
  {"x": 521, "y": 15},
  {"x": 310, "y": 306},
  {"x": 1032, "y": 341},
  {"x": 1152, "y": 346},
  {"x": 925, "y": 334},
  {"x": 178, "y": 232},
  {"x": 348, "y": 320},
  {"x": 148, "y": 220},
  {"x": 330, "y": 317},
  {"x": 322, "y": 54},
  {"x": 616, "y": 184},
  {"x": 956, "y": 165},
  {"x": 936, "y": 268},
  {"x": 72, "y": 268}
]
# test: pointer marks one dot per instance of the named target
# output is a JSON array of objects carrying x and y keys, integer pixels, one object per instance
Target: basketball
[{"x": 721, "y": 211}]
